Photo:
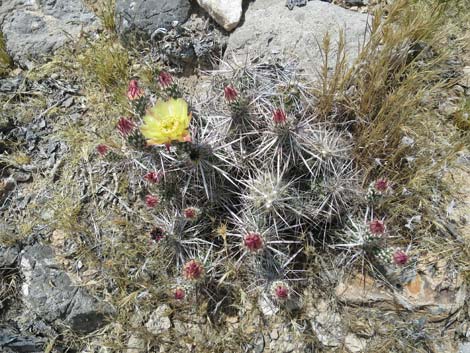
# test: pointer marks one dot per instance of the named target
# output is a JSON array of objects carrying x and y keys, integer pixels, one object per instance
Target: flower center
[{"x": 169, "y": 125}]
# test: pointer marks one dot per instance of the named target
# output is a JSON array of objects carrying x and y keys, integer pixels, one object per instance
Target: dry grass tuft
[
  {"x": 105, "y": 11},
  {"x": 107, "y": 62},
  {"x": 393, "y": 94}
]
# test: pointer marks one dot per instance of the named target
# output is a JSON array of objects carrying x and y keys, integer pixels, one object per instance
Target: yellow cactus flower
[{"x": 167, "y": 121}]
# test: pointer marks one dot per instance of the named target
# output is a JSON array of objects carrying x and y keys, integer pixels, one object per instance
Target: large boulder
[
  {"x": 226, "y": 13},
  {"x": 271, "y": 31},
  {"x": 33, "y": 29},
  {"x": 146, "y": 17},
  {"x": 49, "y": 293}
]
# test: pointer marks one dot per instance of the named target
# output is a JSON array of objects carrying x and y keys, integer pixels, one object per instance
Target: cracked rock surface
[
  {"x": 271, "y": 31},
  {"x": 33, "y": 29},
  {"x": 144, "y": 18},
  {"x": 50, "y": 294}
]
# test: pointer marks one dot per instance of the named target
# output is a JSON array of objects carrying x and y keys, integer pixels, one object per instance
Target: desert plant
[{"x": 267, "y": 167}]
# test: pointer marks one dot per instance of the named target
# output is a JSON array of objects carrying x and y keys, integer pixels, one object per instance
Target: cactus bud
[
  {"x": 102, "y": 149},
  {"x": 134, "y": 91},
  {"x": 280, "y": 290},
  {"x": 151, "y": 201},
  {"x": 125, "y": 126},
  {"x": 230, "y": 94},
  {"x": 193, "y": 270},
  {"x": 191, "y": 213},
  {"x": 377, "y": 227},
  {"x": 279, "y": 117},
  {"x": 153, "y": 177},
  {"x": 382, "y": 185},
  {"x": 253, "y": 242},
  {"x": 400, "y": 258},
  {"x": 179, "y": 293},
  {"x": 165, "y": 79}
]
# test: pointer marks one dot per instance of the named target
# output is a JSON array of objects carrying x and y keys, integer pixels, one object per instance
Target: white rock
[
  {"x": 159, "y": 321},
  {"x": 135, "y": 345},
  {"x": 267, "y": 307},
  {"x": 466, "y": 76},
  {"x": 226, "y": 13},
  {"x": 327, "y": 324},
  {"x": 274, "y": 334},
  {"x": 355, "y": 344}
]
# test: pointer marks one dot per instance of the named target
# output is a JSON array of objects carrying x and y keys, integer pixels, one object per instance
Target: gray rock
[
  {"x": 8, "y": 257},
  {"x": 287, "y": 342},
  {"x": 8, "y": 6},
  {"x": 193, "y": 45},
  {"x": 87, "y": 313},
  {"x": 293, "y": 3},
  {"x": 159, "y": 321},
  {"x": 13, "y": 341},
  {"x": 357, "y": 2},
  {"x": 21, "y": 177},
  {"x": 258, "y": 343},
  {"x": 144, "y": 18},
  {"x": 327, "y": 324},
  {"x": 196, "y": 327},
  {"x": 10, "y": 84},
  {"x": 50, "y": 294},
  {"x": 270, "y": 32},
  {"x": 464, "y": 348},
  {"x": 33, "y": 29},
  {"x": 7, "y": 186}
]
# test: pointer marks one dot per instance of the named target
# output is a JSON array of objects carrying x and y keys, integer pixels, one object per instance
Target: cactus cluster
[
  {"x": 239, "y": 178},
  {"x": 369, "y": 237}
]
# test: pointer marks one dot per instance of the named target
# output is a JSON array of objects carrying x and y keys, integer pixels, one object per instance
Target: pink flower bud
[
  {"x": 377, "y": 227},
  {"x": 165, "y": 79},
  {"x": 382, "y": 185},
  {"x": 280, "y": 290},
  {"x": 400, "y": 258},
  {"x": 102, "y": 149},
  {"x": 134, "y": 91},
  {"x": 153, "y": 177},
  {"x": 193, "y": 270},
  {"x": 125, "y": 126},
  {"x": 179, "y": 294},
  {"x": 253, "y": 242},
  {"x": 191, "y": 213},
  {"x": 279, "y": 117},
  {"x": 230, "y": 94},
  {"x": 151, "y": 201}
]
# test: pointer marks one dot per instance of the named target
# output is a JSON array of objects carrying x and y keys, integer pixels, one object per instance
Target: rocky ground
[{"x": 77, "y": 271}]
